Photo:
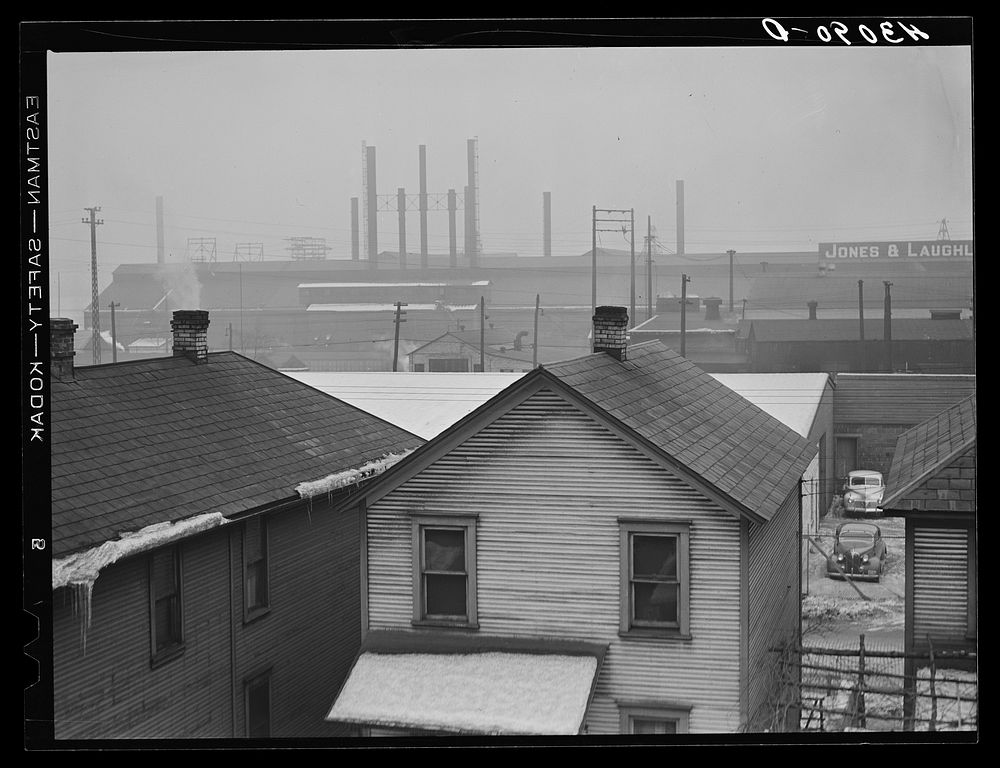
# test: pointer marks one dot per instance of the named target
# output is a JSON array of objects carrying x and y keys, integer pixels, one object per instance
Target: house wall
[
  {"x": 308, "y": 638},
  {"x": 774, "y": 592},
  {"x": 549, "y": 485},
  {"x": 878, "y": 408}
]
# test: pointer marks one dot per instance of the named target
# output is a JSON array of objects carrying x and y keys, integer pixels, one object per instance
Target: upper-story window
[
  {"x": 655, "y": 578},
  {"x": 166, "y": 619},
  {"x": 255, "y": 572},
  {"x": 444, "y": 571}
]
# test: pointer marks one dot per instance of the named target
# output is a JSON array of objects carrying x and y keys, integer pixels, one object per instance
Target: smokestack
[
  {"x": 547, "y": 223},
  {"x": 401, "y": 207},
  {"x": 712, "y": 308},
  {"x": 680, "y": 216},
  {"x": 470, "y": 203},
  {"x": 160, "y": 258},
  {"x": 609, "y": 331},
  {"x": 190, "y": 327},
  {"x": 469, "y": 255},
  {"x": 812, "y": 309},
  {"x": 61, "y": 330},
  {"x": 355, "y": 241},
  {"x": 371, "y": 208},
  {"x": 423, "y": 206}
]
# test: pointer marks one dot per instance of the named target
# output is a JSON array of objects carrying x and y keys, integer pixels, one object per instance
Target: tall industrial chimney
[
  {"x": 423, "y": 206},
  {"x": 371, "y": 211},
  {"x": 471, "y": 203},
  {"x": 680, "y": 216},
  {"x": 547, "y": 226},
  {"x": 160, "y": 258},
  {"x": 355, "y": 242}
]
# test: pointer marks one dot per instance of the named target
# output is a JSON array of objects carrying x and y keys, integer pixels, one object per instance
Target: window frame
[
  {"x": 629, "y": 712},
  {"x": 176, "y": 648},
  {"x": 251, "y": 613},
  {"x": 466, "y": 523},
  {"x": 248, "y": 683},
  {"x": 679, "y": 529}
]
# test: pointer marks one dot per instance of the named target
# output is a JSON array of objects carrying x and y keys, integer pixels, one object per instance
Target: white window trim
[
  {"x": 468, "y": 523},
  {"x": 680, "y": 529},
  {"x": 629, "y": 711}
]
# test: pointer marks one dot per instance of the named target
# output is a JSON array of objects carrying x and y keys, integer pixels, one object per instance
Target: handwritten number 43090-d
[{"x": 776, "y": 30}]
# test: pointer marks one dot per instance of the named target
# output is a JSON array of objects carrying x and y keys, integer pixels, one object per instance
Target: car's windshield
[
  {"x": 859, "y": 480},
  {"x": 857, "y": 538}
]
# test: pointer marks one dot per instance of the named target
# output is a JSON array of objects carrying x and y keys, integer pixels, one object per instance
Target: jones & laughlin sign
[{"x": 916, "y": 249}]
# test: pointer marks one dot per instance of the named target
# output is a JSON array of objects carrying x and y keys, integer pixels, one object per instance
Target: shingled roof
[
  {"x": 725, "y": 439},
  {"x": 166, "y": 439},
  {"x": 927, "y": 449}
]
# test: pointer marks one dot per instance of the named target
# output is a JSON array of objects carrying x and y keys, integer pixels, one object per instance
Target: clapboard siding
[
  {"x": 897, "y": 398},
  {"x": 308, "y": 639},
  {"x": 548, "y": 484},
  {"x": 773, "y": 609},
  {"x": 940, "y": 584},
  {"x": 110, "y": 691}
]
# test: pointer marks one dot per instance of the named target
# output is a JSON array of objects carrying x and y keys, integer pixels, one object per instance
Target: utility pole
[
  {"x": 95, "y": 310},
  {"x": 649, "y": 267},
  {"x": 632, "y": 263},
  {"x": 482, "y": 334},
  {"x": 593, "y": 262},
  {"x": 534, "y": 348},
  {"x": 229, "y": 333},
  {"x": 744, "y": 317},
  {"x": 395, "y": 343},
  {"x": 861, "y": 308},
  {"x": 888, "y": 324},
  {"x": 684, "y": 281},
  {"x": 732, "y": 256},
  {"x": 114, "y": 336},
  {"x": 243, "y": 349}
]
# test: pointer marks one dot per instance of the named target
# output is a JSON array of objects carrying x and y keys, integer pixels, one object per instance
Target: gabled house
[
  {"x": 932, "y": 484},
  {"x": 622, "y": 520},
  {"x": 202, "y": 587},
  {"x": 457, "y": 351}
]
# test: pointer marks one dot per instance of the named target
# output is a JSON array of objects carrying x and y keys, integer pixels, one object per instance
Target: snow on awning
[{"x": 486, "y": 692}]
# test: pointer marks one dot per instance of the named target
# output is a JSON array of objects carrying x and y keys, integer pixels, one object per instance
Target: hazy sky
[{"x": 779, "y": 148}]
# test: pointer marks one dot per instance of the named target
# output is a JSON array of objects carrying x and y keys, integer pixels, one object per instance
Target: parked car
[
  {"x": 863, "y": 493},
  {"x": 858, "y": 551}
]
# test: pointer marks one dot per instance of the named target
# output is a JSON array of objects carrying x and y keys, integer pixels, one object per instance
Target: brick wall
[
  {"x": 609, "y": 330},
  {"x": 876, "y": 444},
  {"x": 61, "y": 346},
  {"x": 190, "y": 328}
]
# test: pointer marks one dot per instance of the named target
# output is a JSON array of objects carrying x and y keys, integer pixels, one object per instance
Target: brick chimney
[
  {"x": 61, "y": 330},
  {"x": 712, "y": 308},
  {"x": 812, "y": 309},
  {"x": 190, "y": 327},
  {"x": 609, "y": 331}
]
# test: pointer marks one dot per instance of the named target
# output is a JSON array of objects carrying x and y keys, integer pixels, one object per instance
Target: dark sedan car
[{"x": 859, "y": 551}]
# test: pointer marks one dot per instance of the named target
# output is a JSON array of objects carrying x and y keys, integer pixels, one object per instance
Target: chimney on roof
[
  {"x": 190, "y": 327},
  {"x": 712, "y": 308},
  {"x": 812, "y": 309},
  {"x": 609, "y": 331},
  {"x": 61, "y": 330}
]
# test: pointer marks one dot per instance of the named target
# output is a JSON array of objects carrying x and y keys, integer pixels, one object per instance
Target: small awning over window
[{"x": 475, "y": 686}]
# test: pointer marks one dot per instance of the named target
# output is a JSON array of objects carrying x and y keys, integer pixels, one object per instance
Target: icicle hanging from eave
[
  {"x": 345, "y": 477},
  {"x": 83, "y": 568}
]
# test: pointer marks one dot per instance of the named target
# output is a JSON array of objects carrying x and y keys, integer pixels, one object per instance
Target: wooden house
[
  {"x": 932, "y": 484},
  {"x": 202, "y": 587},
  {"x": 622, "y": 522}
]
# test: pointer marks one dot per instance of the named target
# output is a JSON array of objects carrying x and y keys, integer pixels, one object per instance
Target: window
[
  {"x": 257, "y": 703},
  {"x": 165, "y": 615},
  {"x": 444, "y": 571},
  {"x": 255, "y": 576},
  {"x": 655, "y": 587},
  {"x": 653, "y": 718}
]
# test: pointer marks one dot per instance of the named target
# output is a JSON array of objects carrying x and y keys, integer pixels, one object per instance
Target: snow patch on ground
[
  {"x": 488, "y": 693},
  {"x": 345, "y": 477},
  {"x": 881, "y": 612}
]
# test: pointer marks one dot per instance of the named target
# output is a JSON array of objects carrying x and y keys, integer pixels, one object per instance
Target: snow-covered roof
[
  {"x": 791, "y": 398},
  {"x": 488, "y": 692},
  {"x": 422, "y": 403}
]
